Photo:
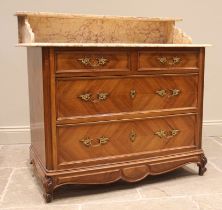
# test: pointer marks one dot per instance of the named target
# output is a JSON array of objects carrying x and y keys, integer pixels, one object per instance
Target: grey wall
[{"x": 202, "y": 20}]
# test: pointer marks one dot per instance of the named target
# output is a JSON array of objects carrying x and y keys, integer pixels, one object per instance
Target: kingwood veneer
[{"x": 124, "y": 108}]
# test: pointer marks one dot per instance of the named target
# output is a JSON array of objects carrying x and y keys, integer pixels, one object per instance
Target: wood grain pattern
[
  {"x": 150, "y": 60},
  {"x": 36, "y": 104},
  {"x": 69, "y": 61},
  {"x": 119, "y": 135},
  {"x": 119, "y": 99}
]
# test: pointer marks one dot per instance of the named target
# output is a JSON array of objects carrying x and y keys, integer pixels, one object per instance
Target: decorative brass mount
[
  {"x": 93, "y": 62},
  {"x": 169, "y": 61},
  {"x": 132, "y": 136},
  {"x": 169, "y": 93},
  {"x": 132, "y": 93},
  {"x": 89, "y": 97},
  {"x": 89, "y": 142},
  {"x": 167, "y": 134}
]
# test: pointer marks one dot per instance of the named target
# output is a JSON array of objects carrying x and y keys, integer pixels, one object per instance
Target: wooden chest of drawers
[
  {"x": 122, "y": 119},
  {"x": 100, "y": 114}
]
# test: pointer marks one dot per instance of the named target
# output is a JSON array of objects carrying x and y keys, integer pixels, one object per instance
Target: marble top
[
  {"x": 108, "y": 45},
  {"x": 70, "y": 15},
  {"x": 45, "y": 29}
]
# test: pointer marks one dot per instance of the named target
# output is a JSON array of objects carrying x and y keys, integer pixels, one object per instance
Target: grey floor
[{"x": 182, "y": 189}]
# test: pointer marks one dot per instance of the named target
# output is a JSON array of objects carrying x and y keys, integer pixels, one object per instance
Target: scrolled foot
[
  {"x": 202, "y": 170},
  {"x": 48, "y": 197},
  {"x": 48, "y": 185},
  {"x": 202, "y": 164}
]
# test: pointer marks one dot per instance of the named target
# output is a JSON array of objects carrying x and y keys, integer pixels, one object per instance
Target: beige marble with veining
[
  {"x": 108, "y": 45},
  {"x": 70, "y": 15},
  {"x": 71, "y": 30}
]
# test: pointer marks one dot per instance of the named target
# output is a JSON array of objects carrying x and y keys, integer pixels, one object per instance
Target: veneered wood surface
[
  {"x": 119, "y": 98},
  {"x": 68, "y": 61},
  {"x": 134, "y": 172},
  {"x": 35, "y": 79},
  {"x": 70, "y": 148},
  {"x": 149, "y": 60},
  {"x": 69, "y": 161}
]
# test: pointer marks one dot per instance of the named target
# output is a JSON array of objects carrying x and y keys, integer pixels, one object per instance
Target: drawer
[
  {"x": 166, "y": 60},
  {"x": 116, "y": 95},
  {"x": 105, "y": 140},
  {"x": 92, "y": 61}
]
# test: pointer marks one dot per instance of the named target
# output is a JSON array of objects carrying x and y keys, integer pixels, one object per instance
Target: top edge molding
[{"x": 70, "y": 15}]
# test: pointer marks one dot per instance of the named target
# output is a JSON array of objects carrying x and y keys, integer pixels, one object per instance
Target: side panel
[{"x": 35, "y": 76}]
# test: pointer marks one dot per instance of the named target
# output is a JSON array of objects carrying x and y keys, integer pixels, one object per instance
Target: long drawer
[
  {"x": 90, "y": 142},
  {"x": 88, "y": 96}
]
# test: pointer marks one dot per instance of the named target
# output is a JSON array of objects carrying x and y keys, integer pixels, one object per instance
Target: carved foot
[
  {"x": 48, "y": 185},
  {"x": 202, "y": 164},
  {"x": 48, "y": 197}
]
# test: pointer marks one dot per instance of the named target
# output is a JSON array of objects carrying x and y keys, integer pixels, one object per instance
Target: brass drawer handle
[
  {"x": 167, "y": 134},
  {"x": 171, "y": 61},
  {"x": 175, "y": 92},
  {"x": 88, "y": 142},
  {"x": 89, "y": 97},
  {"x": 93, "y": 62},
  {"x": 85, "y": 97},
  {"x": 168, "y": 93},
  {"x": 132, "y": 93},
  {"x": 102, "y": 96},
  {"x": 132, "y": 136}
]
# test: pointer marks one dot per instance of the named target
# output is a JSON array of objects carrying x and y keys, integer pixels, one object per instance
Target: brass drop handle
[
  {"x": 168, "y": 92},
  {"x": 132, "y": 93},
  {"x": 88, "y": 142},
  {"x": 169, "y": 61},
  {"x": 132, "y": 136},
  {"x": 89, "y": 97},
  {"x": 166, "y": 134},
  {"x": 93, "y": 62}
]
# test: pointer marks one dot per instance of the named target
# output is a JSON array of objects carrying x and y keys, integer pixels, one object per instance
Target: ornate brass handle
[
  {"x": 132, "y": 136},
  {"x": 167, "y": 134},
  {"x": 95, "y": 62},
  {"x": 168, "y": 92},
  {"x": 171, "y": 61},
  {"x": 88, "y": 142},
  {"x": 89, "y": 97},
  {"x": 132, "y": 93},
  {"x": 85, "y": 97}
]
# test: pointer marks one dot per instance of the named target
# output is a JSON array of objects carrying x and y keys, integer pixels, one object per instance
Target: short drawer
[
  {"x": 92, "y": 61},
  {"x": 76, "y": 143},
  {"x": 116, "y": 95},
  {"x": 167, "y": 60}
]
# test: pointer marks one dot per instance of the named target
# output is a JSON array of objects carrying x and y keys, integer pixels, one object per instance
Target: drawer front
[
  {"x": 74, "y": 61},
  {"x": 104, "y": 96},
  {"x": 103, "y": 140},
  {"x": 168, "y": 60}
]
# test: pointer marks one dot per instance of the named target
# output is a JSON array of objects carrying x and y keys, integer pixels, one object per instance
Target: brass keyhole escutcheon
[
  {"x": 132, "y": 93},
  {"x": 132, "y": 136}
]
